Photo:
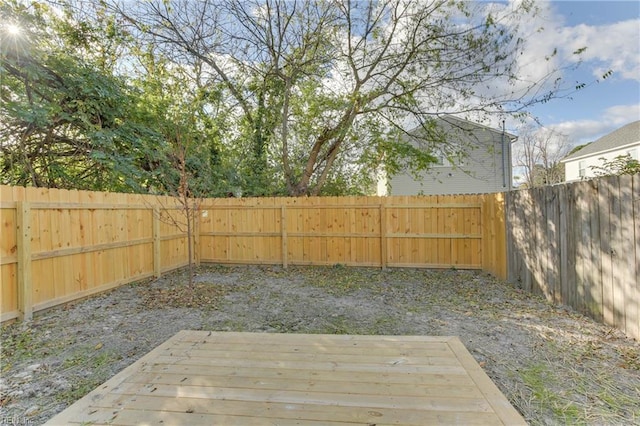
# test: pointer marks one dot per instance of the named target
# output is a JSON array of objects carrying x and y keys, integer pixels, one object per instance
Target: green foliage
[
  {"x": 210, "y": 98},
  {"x": 577, "y": 148},
  {"x": 64, "y": 122},
  {"x": 550, "y": 175},
  {"x": 16, "y": 343},
  {"x": 620, "y": 165},
  {"x": 188, "y": 147},
  {"x": 320, "y": 92},
  {"x": 69, "y": 121}
]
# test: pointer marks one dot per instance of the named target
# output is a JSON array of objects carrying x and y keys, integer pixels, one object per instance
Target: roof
[
  {"x": 625, "y": 135},
  {"x": 467, "y": 125}
]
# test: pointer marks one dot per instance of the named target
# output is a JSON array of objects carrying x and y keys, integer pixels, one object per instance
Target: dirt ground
[{"x": 554, "y": 365}]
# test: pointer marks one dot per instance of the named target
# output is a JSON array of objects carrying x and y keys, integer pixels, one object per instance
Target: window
[
  {"x": 633, "y": 153},
  {"x": 451, "y": 155},
  {"x": 441, "y": 159},
  {"x": 582, "y": 168}
]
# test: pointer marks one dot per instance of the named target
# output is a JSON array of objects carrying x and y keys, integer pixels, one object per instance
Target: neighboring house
[
  {"x": 624, "y": 141},
  {"x": 476, "y": 159}
]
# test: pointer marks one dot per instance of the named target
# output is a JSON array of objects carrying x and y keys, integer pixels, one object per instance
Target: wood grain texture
[
  {"x": 200, "y": 377},
  {"x": 79, "y": 243},
  {"x": 24, "y": 275},
  {"x": 577, "y": 244},
  {"x": 430, "y": 232}
]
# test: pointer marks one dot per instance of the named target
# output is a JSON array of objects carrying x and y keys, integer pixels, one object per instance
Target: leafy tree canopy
[
  {"x": 64, "y": 122},
  {"x": 270, "y": 97}
]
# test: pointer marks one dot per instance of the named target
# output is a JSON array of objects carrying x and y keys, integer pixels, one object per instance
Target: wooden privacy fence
[
  {"x": 59, "y": 245},
  {"x": 465, "y": 231},
  {"x": 579, "y": 244}
]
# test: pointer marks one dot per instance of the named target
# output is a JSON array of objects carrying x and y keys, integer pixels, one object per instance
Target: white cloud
[
  {"x": 611, "y": 46},
  {"x": 540, "y": 32},
  {"x": 583, "y": 131},
  {"x": 614, "y": 46},
  {"x": 550, "y": 45}
]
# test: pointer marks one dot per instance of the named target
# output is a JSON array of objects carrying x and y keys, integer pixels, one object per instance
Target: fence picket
[
  {"x": 24, "y": 276},
  {"x": 629, "y": 310},
  {"x": 594, "y": 262},
  {"x": 634, "y": 297},
  {"x": 617, "y": 256},
  {"x": 563, "y": 245}
]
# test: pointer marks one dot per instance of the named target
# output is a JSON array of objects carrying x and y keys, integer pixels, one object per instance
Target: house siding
[
  {"x": 481, "y": 172},
  {"x": 572, "y": 167}
]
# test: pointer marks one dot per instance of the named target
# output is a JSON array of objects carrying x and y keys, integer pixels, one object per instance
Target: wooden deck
[{"x": 200, "y": 377}]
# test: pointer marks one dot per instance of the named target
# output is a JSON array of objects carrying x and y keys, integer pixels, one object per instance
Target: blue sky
[{"x": 611, "y": 32}]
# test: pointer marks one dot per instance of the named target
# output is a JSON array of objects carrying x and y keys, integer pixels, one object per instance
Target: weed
[
  {"x": 543, "y": 383},
  {"x": 569, "y": 413},
  {"x": 201, "y": 295},
  {"x": 340, "y": 325},
  {"x": 339, "y": 281},
  {"x": 17, "y": 343},
  {"x": 90, "y": 358},
  {"x": 630, "y": 358},
  {"x": 71, "y": 395},
  {"x": 90, "y": 367},
  {"x": 382, "y": 325},
  {"x": 537, "y": 377},
  {"x": 579, "y": 395}
]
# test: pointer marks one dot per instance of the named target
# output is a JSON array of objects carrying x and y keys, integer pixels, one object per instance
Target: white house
[
  {"x": 624, "y": 141},
  {"x": 476, "y": 159}
]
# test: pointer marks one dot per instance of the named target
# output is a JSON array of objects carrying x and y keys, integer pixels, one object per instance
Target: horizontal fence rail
[
  {"x": 58, "y": 245},
  {"x": 430, "y": 232}
]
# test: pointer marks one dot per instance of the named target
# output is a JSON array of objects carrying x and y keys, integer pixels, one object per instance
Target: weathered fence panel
[{"x": 578, "y": 244}]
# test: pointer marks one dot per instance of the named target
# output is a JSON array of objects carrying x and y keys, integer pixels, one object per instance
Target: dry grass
[{"x": 553, "y": 364}]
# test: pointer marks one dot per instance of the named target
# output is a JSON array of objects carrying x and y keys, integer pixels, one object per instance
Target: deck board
[{"x": 200, "y": 377}]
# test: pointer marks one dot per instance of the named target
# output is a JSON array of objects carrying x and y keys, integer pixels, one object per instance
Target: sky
[{"x": 610, "y": 30}]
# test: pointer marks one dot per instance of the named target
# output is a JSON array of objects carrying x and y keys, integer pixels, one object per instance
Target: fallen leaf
[{"x": 98, "y": 346}]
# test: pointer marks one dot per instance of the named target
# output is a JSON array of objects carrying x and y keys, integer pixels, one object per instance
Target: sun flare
[{"x": 13, "y": 29}]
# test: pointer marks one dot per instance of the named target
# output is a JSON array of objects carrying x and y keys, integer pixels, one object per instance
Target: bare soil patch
[{"x": 554, "y": 365}]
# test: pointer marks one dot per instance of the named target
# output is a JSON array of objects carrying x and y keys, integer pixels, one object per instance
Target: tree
[
  {"x": 315, "y": 84},
  {"x": 69, "y": 120},
  {"x": 85, "y": 106},
  {"x": 538, "y": 152},
  {"x": 65, "y": 122},
  {"x": 620, "y": 165},
  {"x": 192, "y": 154}
]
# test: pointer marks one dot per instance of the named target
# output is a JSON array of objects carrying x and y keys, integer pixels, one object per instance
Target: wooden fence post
[
  {"x": 156, "y": 242},
  {"x": 283, "y": 228},
  {"x": 485, "y": 235},
  {"x": 25, "y": 284},
  {"x": 197, "y": 217},
  {"x": 508, "y": 221},
  {"x": 383, "y": 234}
]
